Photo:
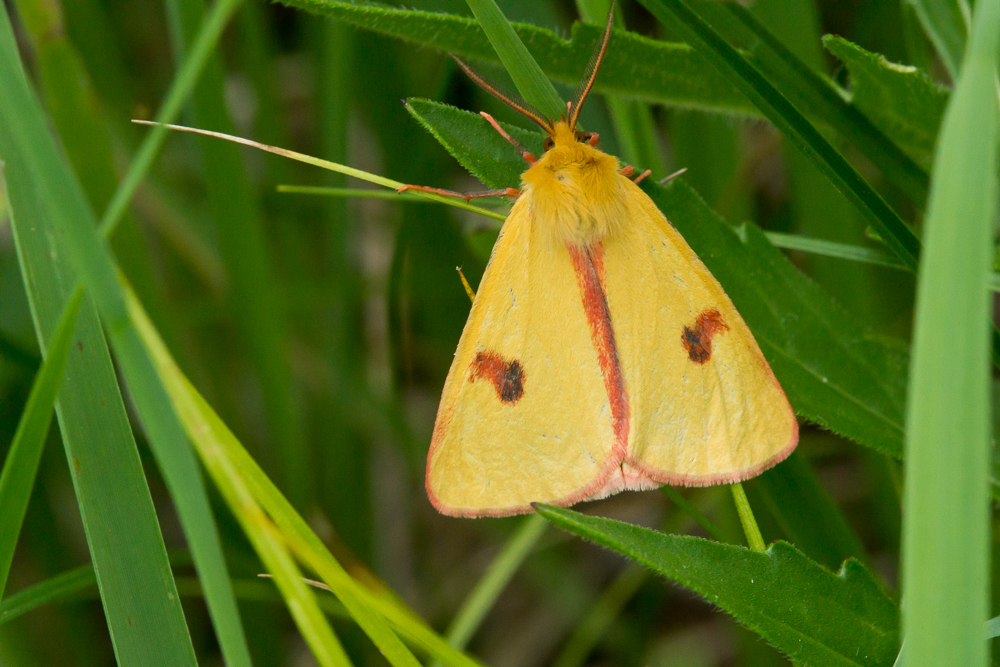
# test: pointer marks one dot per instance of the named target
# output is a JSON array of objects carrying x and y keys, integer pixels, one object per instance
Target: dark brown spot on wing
[
  {"x": 698, "y": 339},
  {"x": 507, "y": 377}
]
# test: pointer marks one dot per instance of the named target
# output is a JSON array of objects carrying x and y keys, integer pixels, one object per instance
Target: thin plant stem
[{"x": 754, "y": 539}]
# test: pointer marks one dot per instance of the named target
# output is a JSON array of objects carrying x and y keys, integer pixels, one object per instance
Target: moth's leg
[
  {"x": 627, "y": 172},
  {"x": 501, "y": 192},
  {"x": 521, "y": 150},
  {"x": 594, "y": 136}
]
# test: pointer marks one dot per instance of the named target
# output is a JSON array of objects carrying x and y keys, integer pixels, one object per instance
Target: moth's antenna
[
  {"x": 591, "y": 72},
  {"x": 510, "y": 99}
]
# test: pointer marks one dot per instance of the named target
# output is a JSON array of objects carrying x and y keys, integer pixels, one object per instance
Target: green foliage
[
  {"x": 947, "y": 525},
  {"x": 295, "y": 346},
  {"x": 901, "y": 101},
  {"x": 635, "y": 66},
  {"x": 813, "y": 615},
  {"x": 21, "y": 465}
]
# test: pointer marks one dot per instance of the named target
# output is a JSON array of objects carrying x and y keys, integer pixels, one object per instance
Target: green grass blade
[
  {"x": 530, "y": 80},
  {"x": 261, "y": 531},
  {"x": 495, "y": 579},
  {"x": 946, "y": 524},
  {"x": 946, "y": 22},
  {"x": 144, "y": 616},
  {"x": 894, "y": 232},
  {"x": 244, "y": 248},
  {"x": 363, "y": 604},
  {"x": 248, "y": 498},
  {"x": 21, "y": 465},
  {"x": 34, "y": 154},
  {"x": 180, "y": 89},
  {"x": 56, "y": 588}
]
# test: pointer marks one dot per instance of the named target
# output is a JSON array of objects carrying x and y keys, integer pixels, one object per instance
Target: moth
[{"x": 600, "y": 353}]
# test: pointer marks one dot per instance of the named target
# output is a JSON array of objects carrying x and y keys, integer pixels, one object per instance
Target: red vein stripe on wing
[{"x": 588, "y": 263}]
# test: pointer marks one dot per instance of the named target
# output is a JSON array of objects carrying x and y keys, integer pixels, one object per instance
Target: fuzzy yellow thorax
[{"x": 574, "y": 191}]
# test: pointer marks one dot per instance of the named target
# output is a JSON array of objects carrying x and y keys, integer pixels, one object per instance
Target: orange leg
[
  {"x": 627, "y": 171},
  {"x": 528, "y": 157},
  {"x": 510, "y": 192}
]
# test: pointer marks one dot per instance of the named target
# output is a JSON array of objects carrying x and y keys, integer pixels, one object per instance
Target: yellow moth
[{"x": 600, "y": 354}]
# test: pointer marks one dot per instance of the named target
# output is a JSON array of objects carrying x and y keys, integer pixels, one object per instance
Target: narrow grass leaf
[
  {"x": 366, "y": 605},
  {"x": 813, "y": 615},
  {"x": 67, "y": 221},
  {"x": 180, "y": 90},
  {"x": 946, "y": 22},
  {"x": 946, "y": 518},
  {"x": 528, "y": 77},
  {"x": 261, "y": 531},
  {"x": 144, "y": 616},
  {"x": 59, "y": 587},
  {"x": 832, "y": 370},
  {"x": 233, "y": 468},
  {"x": 25, "y": 453},
  {"x": 494, "y": 581}
]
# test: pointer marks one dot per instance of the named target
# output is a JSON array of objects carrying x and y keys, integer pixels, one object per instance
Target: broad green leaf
[
  {"x": 812, "y": 93},
  {"x": 815, "y": 616},
  {"x": 21, "y": 465},
  {"x": 901, "y": 101},
  {"x": 833, "y": 372},
  {"x": 144, "y": 615},
  {"x": 790, "y": 121},
  {"x": 806, "y": 513},
  {"x": 634, "y": 66},
  {"x": 947, "y": 510}
]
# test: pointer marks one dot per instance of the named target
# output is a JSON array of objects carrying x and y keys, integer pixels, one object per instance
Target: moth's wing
[
  {"x": 705, "y": 406},
  {"x": 507, "y": 435}
]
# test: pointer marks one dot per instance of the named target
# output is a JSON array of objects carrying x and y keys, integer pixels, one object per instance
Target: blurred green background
[{"x": 321, "y": 329}]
